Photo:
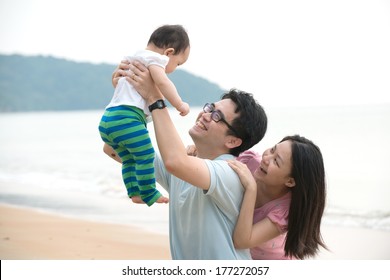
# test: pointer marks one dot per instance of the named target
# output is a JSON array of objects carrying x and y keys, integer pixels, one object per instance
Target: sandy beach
[{"x": 31, "y": 235}]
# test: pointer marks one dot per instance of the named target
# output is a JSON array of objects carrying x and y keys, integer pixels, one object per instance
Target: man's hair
[
  {"x": 170, "y": 36},
  {"x": 251, "y": 123}
]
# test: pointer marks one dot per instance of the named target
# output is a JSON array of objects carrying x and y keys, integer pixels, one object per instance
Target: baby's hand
[{"x": 184, "y": 109}]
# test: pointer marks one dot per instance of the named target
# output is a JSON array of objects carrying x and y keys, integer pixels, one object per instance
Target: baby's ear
[{"x": 169, "y": 51}]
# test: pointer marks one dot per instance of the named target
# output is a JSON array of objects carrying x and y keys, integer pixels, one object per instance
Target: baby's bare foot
[
  {"x": 137, "y": 199},
  {"x": 162, "y": 199}
]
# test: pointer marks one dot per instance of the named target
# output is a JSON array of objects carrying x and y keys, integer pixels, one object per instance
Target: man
[{"x": 205, "y": 194}]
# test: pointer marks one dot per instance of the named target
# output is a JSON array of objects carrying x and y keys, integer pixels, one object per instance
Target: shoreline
[{"x": 29, "y": 234}]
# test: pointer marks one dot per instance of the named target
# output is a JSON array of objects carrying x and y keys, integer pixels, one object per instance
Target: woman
[{"x": 284, "y": 200}]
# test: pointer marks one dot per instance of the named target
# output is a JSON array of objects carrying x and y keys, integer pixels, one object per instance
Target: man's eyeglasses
[{"x": 217, "y": 115}]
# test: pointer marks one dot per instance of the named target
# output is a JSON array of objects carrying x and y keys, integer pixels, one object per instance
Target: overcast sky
[{"x": 285, "y": 52}]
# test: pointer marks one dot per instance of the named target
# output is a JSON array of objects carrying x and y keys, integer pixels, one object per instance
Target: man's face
[{"x": 210, "y": 132}]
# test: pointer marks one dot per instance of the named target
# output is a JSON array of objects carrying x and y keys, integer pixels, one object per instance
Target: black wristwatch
[{"x": 159, "y": 104}]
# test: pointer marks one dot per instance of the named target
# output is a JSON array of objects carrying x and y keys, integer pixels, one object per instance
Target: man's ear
[
  {"x": 290, "y": 182},
  {"x": 233, "y": 141}
]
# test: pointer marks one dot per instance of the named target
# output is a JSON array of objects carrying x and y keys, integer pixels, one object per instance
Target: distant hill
[{"x": 41, "y": 83}]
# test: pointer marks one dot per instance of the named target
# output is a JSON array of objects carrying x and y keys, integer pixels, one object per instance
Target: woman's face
[{"x": 275, "y": 166}]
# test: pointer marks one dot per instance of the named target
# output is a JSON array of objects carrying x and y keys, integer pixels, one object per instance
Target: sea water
[{"x": 53, "y": 162}]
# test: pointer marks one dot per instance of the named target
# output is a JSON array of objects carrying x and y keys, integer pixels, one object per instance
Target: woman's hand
[{"x": 245, "y": 175}]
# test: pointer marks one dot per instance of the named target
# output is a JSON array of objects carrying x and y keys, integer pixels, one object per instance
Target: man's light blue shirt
[{"x": 201, "y": 223}]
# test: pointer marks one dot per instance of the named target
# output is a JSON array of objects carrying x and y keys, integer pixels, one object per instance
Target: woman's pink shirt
[{"x": 275, "y": 210}]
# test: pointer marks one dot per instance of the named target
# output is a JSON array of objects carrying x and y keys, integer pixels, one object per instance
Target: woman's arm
[{"x": 246, "y": 234}]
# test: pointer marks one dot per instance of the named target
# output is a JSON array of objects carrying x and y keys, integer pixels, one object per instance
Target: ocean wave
[{"x": 367, "y": 219}]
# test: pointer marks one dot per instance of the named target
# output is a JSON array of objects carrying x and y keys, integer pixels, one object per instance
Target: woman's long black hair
[{"x": 307, "y": 199}]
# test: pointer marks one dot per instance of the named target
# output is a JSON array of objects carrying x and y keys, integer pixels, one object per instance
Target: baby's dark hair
[{"x": 170, "y": 36}]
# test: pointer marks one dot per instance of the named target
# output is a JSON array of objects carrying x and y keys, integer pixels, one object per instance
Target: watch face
[{"x": 159, "y": 104}]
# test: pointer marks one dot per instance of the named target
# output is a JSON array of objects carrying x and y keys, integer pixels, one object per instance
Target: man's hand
[
  {"x": 139, "y": 77},
  {"x": 191, "y": 150},
  {"x": 120, "y": 71}
]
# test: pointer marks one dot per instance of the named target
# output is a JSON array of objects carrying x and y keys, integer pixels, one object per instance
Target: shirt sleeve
[
  {"x": 148, "y": 58},
  {"x": 225, "y": 187},
  {"x": 251, "y": 158},
  {"x": 279, "y": 216}
]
